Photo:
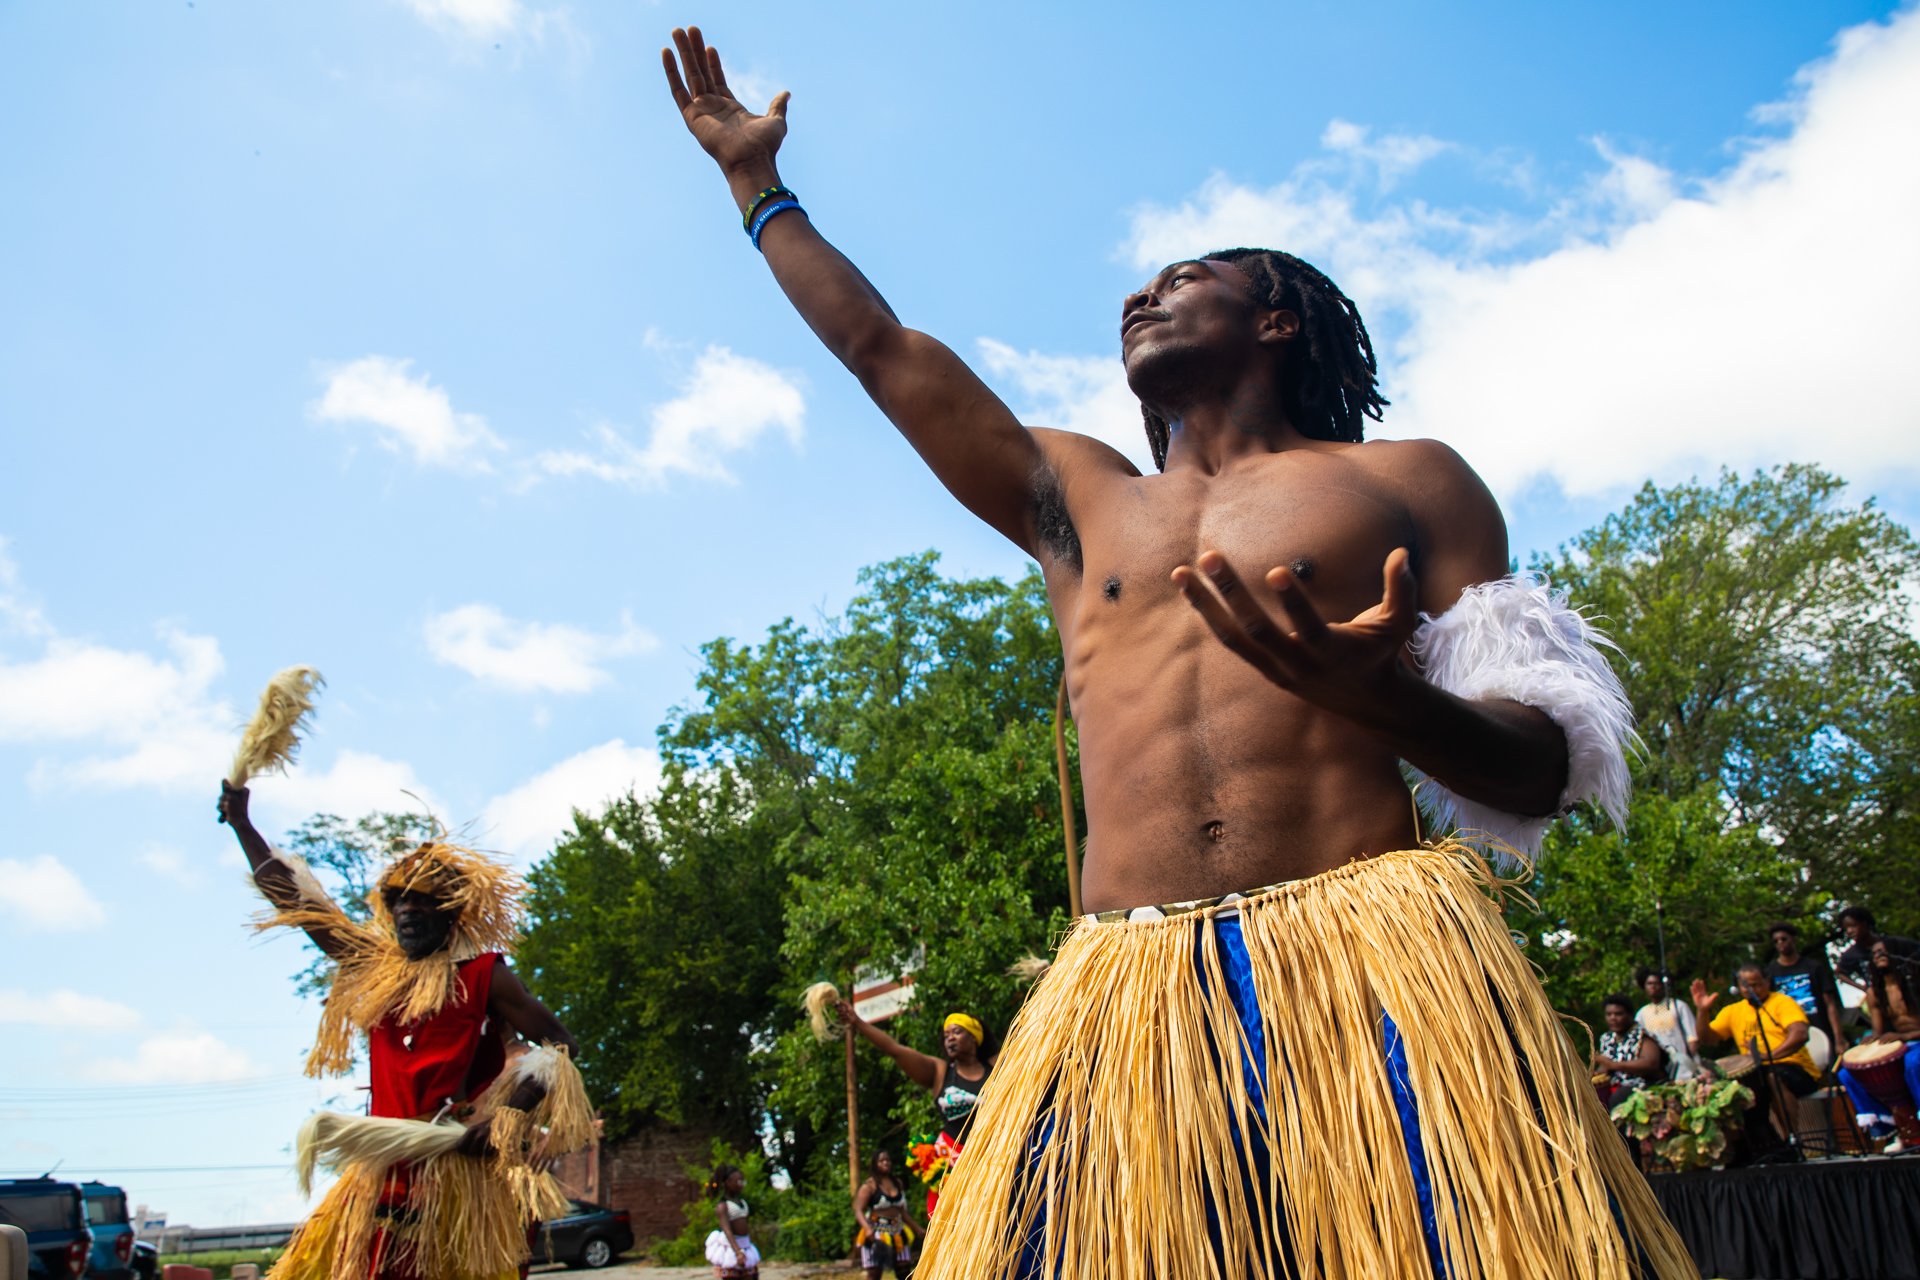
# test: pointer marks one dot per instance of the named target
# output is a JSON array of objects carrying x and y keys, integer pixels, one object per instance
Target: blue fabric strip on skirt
[{"x": 1254, "y": 1158}]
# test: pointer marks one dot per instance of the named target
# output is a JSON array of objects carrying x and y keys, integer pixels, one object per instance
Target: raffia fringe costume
[
  {"x": 406, "y": 1204},
  {"x": 1354, "y": 1076}
]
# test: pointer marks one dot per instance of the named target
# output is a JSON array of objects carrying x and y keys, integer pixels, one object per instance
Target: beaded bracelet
[
  {"x": 746, "y": 219},
  {"x": 768, "y": 214}
]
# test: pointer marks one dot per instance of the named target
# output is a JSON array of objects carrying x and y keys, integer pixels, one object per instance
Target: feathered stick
[
  {"x": 1029, "y": 969},
  {"x": 272, "y": 737},
  {"x": 819, "y": 1000}
]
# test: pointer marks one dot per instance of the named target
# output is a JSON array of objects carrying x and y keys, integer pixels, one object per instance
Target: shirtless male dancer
[{"x": 1291, "y": 1039}]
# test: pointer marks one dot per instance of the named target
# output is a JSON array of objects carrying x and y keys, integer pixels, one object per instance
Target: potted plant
[{"x": 1685, "y": 1124}]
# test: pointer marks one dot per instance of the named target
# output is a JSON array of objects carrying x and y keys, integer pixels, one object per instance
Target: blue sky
[{"x": 415, "y": 340}]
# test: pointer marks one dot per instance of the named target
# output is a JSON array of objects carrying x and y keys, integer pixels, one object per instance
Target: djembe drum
[{"x": 1881, "y": 1071}]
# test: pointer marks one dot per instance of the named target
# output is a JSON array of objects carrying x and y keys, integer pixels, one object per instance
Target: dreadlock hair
[
  {"x": 1898, "y": 975},
  {"x": 1329, "y": 386}
]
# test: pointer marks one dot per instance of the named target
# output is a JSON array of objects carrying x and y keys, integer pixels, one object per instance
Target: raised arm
[
  {"x": 973, "y": 443},
  {"x": 923, "y": 1069},
  {"x": 275, "y": 878}
]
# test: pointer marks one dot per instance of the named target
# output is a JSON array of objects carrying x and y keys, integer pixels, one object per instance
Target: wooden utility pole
[
  {"x": 853, "y": 1119},
  {"x": 1068, "y": 826}
]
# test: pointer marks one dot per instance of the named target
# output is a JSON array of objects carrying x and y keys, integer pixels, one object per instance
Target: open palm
[{"x": 734, "y": 136}]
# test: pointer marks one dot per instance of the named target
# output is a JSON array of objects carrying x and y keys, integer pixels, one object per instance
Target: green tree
[
  {"x": 874, "y": 788},
  {"x": 1765, "y": 638},
  {"x": 346, "y": 858}
]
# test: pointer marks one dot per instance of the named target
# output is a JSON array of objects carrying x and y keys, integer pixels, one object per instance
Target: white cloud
[
  {"x": 19, "y": 614},
  {"x": 65, "y": 1010},
  {"x": 528, "y": 819},
  {"x": 44, "y": 895},
  {"x": 726, "y": 404},
  {"x": 529, "y": 656},
  {"x": 408, "y": 414},
  {"x": 1646, "y": 325},
  {"x": 356, "y": 783},
  {"x": 146, "y": 718},
  {"x": 1391, "y": 156},
  {"x": 154, "y": 713},
  {"x": 474, "y": 23},
  {"x": 176, "y": 1057},
  {"x": 169, "y": 863},
  {"x": 1088, "y": 394},
  {"x": 476, "y": 19},
  {"x": 130, "y": 718}
]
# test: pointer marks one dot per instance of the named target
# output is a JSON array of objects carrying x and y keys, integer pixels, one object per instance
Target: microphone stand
[{"x": 1776, "y": 1103}]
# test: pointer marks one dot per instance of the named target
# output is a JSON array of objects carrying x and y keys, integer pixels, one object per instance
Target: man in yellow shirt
[{"x": 1771, "y": 1028}]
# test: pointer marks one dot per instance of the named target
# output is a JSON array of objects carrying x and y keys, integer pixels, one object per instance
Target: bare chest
[{"x": 1331, "y": 527}]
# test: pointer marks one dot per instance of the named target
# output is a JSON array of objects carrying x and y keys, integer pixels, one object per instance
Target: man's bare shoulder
[{"x": 1461, "y": 535}]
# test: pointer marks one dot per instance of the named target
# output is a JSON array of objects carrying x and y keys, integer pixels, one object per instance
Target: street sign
[{"x": 879, "y": 995}]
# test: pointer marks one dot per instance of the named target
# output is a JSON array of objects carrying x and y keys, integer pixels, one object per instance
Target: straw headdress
[{"x": 374, "y": 979}]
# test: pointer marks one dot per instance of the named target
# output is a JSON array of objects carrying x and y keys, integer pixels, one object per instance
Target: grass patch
[{"x": 221, "y": 1261}]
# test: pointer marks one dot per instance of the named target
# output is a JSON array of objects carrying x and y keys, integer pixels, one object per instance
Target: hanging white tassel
[{"x": 1516, "y": 638}]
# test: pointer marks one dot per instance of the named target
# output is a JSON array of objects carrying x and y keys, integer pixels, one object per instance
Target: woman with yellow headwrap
[{"x": 955, "y": 1081}]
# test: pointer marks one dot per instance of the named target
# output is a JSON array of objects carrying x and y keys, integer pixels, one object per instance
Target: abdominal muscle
[{"x": 1202, "y": 778}]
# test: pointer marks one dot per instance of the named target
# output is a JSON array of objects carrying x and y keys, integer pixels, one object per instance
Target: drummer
[
  {"x": 1769, "y": 1027},
  {"x": 1896, "y": 1021}
]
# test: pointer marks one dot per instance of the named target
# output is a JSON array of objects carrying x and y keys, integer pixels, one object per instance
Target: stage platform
[{"x": 1836, "y": 1219}]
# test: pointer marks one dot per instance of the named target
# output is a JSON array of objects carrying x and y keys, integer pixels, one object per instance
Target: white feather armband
[{"x": 1516, "y": 638}]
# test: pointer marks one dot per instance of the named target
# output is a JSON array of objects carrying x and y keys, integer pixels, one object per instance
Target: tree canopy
[
  {"x": 1766, "y": 638},
  {"x": 873, "y": 789}
]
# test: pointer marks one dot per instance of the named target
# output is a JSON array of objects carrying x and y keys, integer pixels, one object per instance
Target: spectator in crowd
[
  {"x": 1772, "y": 1030},
  {"x": 1896, "y": 1020},
  {"x": 1857, "y": 922},
  {"x": 1807, "y": 980},
  {"x": 1669, "y": 1022},
  {"x": 1629, "y": 1056}
]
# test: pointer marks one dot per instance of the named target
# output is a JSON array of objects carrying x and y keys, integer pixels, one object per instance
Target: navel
[
  {"x": 1215, "y": 831},
  {"x": 1111, "y": 587},
  {"x": 1302, "y": 568}
]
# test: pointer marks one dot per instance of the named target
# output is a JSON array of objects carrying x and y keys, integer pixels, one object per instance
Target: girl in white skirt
[{"x": 728, "y": 1248}]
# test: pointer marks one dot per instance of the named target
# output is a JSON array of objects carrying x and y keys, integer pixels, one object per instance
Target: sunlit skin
[
  {"x": 925, "y": 1070},
  {"x": 421, "y": 926},
  {"x": 1889, "y": 1027},
  {"x": 1754, "y": 986},
  {"x": 1644, "y": 1063},
  {"x": 733, "y": 1228},
  {"x": 1234, "y": 629}
]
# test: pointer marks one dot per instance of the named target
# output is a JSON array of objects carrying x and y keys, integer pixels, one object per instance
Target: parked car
[
  {"x": 112, "y": 1231},
  {"x": 54, "y": 1216},
  {"x": 590, "y": 1236}
]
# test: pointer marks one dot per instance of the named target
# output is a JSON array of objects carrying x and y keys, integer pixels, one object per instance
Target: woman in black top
[{"x": 955, "y": 1081}]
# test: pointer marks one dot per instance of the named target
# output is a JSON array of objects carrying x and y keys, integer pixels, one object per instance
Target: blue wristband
[{"x": 768, "y": 214}]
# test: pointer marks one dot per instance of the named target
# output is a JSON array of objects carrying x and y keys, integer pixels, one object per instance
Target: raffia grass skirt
[
  {"x": 451, "y": 1217},
  {"x": 1135, "y": 1127}
]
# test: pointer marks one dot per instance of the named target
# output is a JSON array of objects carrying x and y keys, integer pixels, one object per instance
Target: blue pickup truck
[
  {"x": 112, "y": 1231},
  {"x": 54, "y": 1216}
]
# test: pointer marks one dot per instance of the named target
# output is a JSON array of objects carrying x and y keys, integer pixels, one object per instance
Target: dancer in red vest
[{"x": 473, "y": 1083}]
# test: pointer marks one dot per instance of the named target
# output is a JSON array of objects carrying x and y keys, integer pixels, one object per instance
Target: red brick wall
[{"x": 646, "y": 1174}]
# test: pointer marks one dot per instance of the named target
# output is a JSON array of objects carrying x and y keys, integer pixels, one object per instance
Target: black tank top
[{"x": 957, "y": 1099}]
